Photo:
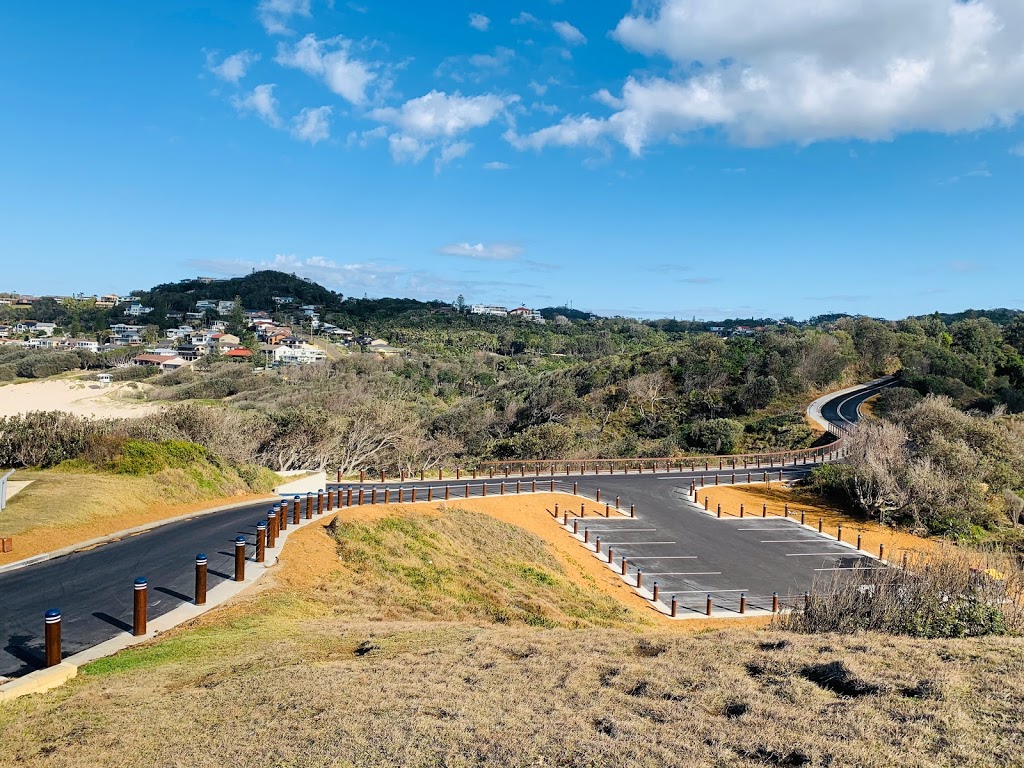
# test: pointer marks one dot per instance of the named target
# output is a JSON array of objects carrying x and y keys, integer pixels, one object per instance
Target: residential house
[
  {"x": 487, "y": 309},
  {"x": 108, "y": 301},
  {"x": 5, "y": 331},
  {"x": 526, "y": 314},
  {"x": 194, "y": 316},
  {"x": 382, "y": 348},
  {"x": 240, "y": 353},
  {"x": 305, "y": 354},
  {"x": 175, "y": 315},
  {"x": 166, "y": 363},
  {"x": 135, "y": 309},
  {"x": 89, "y": 345},
  {"x": 279, "y": 300},
  {"x": 204, "y": 304},
  {"x": 124, "y": 335},
  {"x": 181, "y": 332}
]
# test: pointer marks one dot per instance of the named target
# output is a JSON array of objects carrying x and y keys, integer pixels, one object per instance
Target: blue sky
[{"x": 666, "y": 158}]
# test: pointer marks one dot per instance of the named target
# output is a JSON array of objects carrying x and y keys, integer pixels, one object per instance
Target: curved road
[{"x": 694, "y": 552}]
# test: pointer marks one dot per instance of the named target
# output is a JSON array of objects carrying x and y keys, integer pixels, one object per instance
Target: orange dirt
[{"x": 309, "y": 556}]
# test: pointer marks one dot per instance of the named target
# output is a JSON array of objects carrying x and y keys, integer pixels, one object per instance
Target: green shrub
[{"x": 139, "y": 457}]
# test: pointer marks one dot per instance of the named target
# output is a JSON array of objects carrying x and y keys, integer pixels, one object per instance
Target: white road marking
[
  {"x": 663, "y": 557},
  {"x": 853, "y": 568},
  {"x": 630, "y": 543},
  {"x": 621, "y": 530},
  {"x": 790, "y": 541},
  {"x": 683, "y": 573},
  {"x": 822, "y": 554},
  {"x": 706, "y": 591}
]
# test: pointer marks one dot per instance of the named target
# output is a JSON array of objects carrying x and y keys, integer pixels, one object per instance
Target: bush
[
  {"x": 44, "y": 438},
  {"x": 139, "y": 458},
  {"x": 715, "y": 435},
  {"x": 134, "y": 372}
]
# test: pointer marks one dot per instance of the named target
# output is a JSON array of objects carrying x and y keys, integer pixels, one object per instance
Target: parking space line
[
  {"x": 790, "y": 541},
  {"x": 621, "y": 530},
  {"x": 706, "y": 591},
  {"x": 630, "y": 543},
  {"x": 683, "y": 573},
  {"x": 854, "y": 568},
  {"x": 663, "y": 557},
  {"x": 822, "y": 554}
]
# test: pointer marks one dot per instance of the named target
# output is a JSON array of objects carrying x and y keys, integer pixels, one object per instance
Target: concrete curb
[
  {"x": 53, "y": 677},
  {"x": 70, "y": 550}
]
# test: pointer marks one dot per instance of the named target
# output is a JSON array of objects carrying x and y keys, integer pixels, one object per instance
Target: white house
[
  {"x": 305, "y": 354},
  {"x": 89, "y": 345},
  {"x": 488, "y": 309},
  {"x": 527, "y": 314},
  {"x": 135, "y": 309}
]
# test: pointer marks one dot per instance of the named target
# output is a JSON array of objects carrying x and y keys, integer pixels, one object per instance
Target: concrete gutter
[
  {"x": 53, "y": 677},
  {"x": 128, "y": 532},
  {"x": 814, "y": 409}
]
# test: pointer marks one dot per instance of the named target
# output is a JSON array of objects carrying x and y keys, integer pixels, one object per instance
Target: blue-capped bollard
[
  {"x": 240, "y": 558},
  {"x": 141, "y": 589},
  {"x": 261, "y": 541},
  {"x": 201, "y": 564},
  {"x": 51, "y": 630},
  {"x": 296, "y": 509},
  {"x": 271, "y": 528},
  {"x": 309, "y": 505}
]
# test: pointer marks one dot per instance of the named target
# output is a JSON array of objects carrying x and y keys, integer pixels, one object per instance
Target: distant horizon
[{"x": 470, "y": 301}]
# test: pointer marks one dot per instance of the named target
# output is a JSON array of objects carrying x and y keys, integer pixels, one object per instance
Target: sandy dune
[{"x": 84, "y": 398}]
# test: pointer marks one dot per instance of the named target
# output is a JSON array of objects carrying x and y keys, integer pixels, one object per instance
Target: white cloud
[
  {"x": 450, "y": 153},
  {"x": 772, "y": 71},
  {"x": 569, "y": 33},
  {"x": 405, "y": 148},
  {"x": 1017, "y": 150},
  {"x": 525, "y": 18},
  {"x": 496, "y": 165},
  {"x": 605, "y": 97},
  {"x": 260, "y": 101},
  {"x": 312, "y": 124},
  {"x": 570, "y": 132},
  {"x": 438, "y": 114},
  {"x": 331, "y": 61},
  {"x": 233, "y": 67},
  {"x": 274, "y": 15},
  {"x": 481, "y": 252},
  {"x": 479, "y": 22},
  {"x": 477, "y": 67},
  {"x": 539, "y": 88}
]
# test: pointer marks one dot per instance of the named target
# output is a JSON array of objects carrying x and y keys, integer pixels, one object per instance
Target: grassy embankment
[
  {"x": 416, "y": 637},
  {"x": 76, "y": 502}
]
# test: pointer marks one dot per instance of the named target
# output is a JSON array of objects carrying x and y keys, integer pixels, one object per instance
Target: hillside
[
  {"x": 256, "y": 290},
  {"x": 489, "y": 650}
]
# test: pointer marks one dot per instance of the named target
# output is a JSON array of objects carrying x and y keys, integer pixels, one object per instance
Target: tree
[{"x": 460, "y": 304}]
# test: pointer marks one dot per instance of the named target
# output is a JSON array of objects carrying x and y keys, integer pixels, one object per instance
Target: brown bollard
[
  {"x": 839, "y": 533},
  {"x": 787, "y": 509},
  {"x": 734, "y": 478},
  {"x": 556, "y": 509},
  {"x": 309, "y": 505},
  {"x": 673, "y": 609},
  {"x": 552, "y": 486},
  {"x": 610, "y": 558},
  {"x": 616, "y": 502},
  {"x": 583, "y": 509},
  {"x": 519, "y": 486},
  {"x": 780, "y": 475},
  {"x": 807, "y": 600},
  {"x": 575, "y": 525},
  {"x": 607, "y": 510},
  {"x": 382, "y": 475},
  {"x": 338, "y": 480},
  {"x": 467, "y": 490},
  {"x": 282, "y": 518},
  {"x": 362, "y": 476},
  {"x": 743, "y": 602},
  {"x": 201, "y": 563},
  {"x": 503, "y": 489},
  {"x": 271, "y": 528},
  {"x": 775, "y": 602},
  {"x": 348, "y": 501},
  {"x": 387, "y": 495},
  {"x": 296, "y": 510},
  {"x": 240, "y": 558},
  {"x": 423, "y": 475},
  {"x": 331, "y": 496},
  {"x": 575, "y": 488},
  {"x": 632, "y": 510},
  {"x": 565, "y": 518},
  {"x": 373, "y": 495},
  {"x": 821, "y": 524},
  {"x": 881, "y": 551},
  {"x": 716, "y": 478},
  {"x": 764, "y": 511},
  {"x": 440, "y": 474},
  {"x": 533, "y": 486},
  {"x": 719, "y": 510},
  {"x": 447, "y": 492},
  {"x": 483, "y": 489},
  {"x": 320, "y": 502},
  {"x": 802, "y": 516},
  {"x": 598, "y": 497},
  {"x": 639, "y": 578},
  {"x": 261, "y": 541},
  {"x": 506, "y": 470},
  {"x": 623, "y": 566},
  {"x": 858, "y": 541},
  {"x": 654, "y": 592},
  {"x": 141, "y": 591},
  {"x": 359, "y": 496},
  {"x": 708, "y": 610},
  {"x": 741, "y": 510},
  {"x": 748, "y": 478},
  {"x": 586, "y": 535},
  {"x": 597, "y": 545},
  {"x": 51, "y": 633}
]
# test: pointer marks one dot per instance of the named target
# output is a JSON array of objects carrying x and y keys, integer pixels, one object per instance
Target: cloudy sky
[{"x": 678, "y": 158}]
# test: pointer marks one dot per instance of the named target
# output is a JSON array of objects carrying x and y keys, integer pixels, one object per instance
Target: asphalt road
[{"x": 688, "y": 552}]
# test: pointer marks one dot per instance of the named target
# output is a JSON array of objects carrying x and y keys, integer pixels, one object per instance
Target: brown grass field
[{"x": 424, "y": 636}]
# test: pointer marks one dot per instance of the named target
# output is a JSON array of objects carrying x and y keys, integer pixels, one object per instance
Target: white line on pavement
[
  {"x": 790, "y": 541},
  {"x": 630, "y": 543},
  {"x": 683, "y": 573},
  {"x": 853, "y": 568},
  {"x": 663, "y": 557},
  {"x": 821, "y": 554},
  {"x": 705, "y": 591}
]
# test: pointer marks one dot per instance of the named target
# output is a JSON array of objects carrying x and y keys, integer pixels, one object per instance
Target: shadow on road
[
  {"x": 178, "y": 595},
  {"x": 113, "y": 621}
]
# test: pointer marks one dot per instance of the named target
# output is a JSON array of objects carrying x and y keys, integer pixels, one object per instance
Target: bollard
[
  {"x": 802, "y": 517},
  {"x": 719, "y": 510},
  {"x": 575, "y": 525},
  {"x": 610, "y": 558},
  {"x": 598, "y": 497},
  {"x": 282, "y": 522},
  {"x": 748, "y": 478},
  {"x": 296, "y": 510},
  {"x": 764, "y": 511},
  {"x": 483, "y": 489},
  {"x": 583, "y": 509},
  {"x": 597, "y": 545},
  {"x": 556, "y": 509},
  {"x": 780, "y": 475},
  {"x": 533, "y": 487},
  {"x": 716, "y": 478},
  {"x": 447, "y": 492},
  {"x": 617, "y": 502},
  {"x": 440, "y": 474},
  {"x": 881, "y": 551},
  {"x": 743, "y": 602},
  {"x": 673, "y": 611},
  {"x": 821, "y": 523},
  {"x": 709, "y": 605},
  {"x": 201, "y": 562},
  {"x": 705, "y": 503},
  {"x": 141, "y": 590},
  {"x": 502, "y": 488},
  {"x": 632, "y": 510},
  {"x": 387, "y": 495},
  {"x": 741, "y": 510},
  {"x": 654, "y": 592},
  {"x": 623, "y": 566},
  {"x": 362, "y": 476},
  {"x": 607, "y": 510},
  {"x": 839, "y": 533},
  {"x": 787, "y": 509},
  {"x": 271, "y": 527},
  {"x": 261, "y": 541},
  {"x": 575, "y": 489},
  {"x": 382, "y": 475},
  {"x": 565, "y": 518},
  {"x": 360, "y": 497},
  {"x": 858, "y": 542},
  {"x": 349, "y": 497},
  {"x": 519, "y": 486},
  {"x": 51, "y": 632},
  {"x": 586, "y": 535},
  {"x": 639, "y": 578},
  {"x": 807, "y": 600},
  {"x": 552, "y": 486},
  {"x": 240, "y": 558},
  {"x": 319, "y": 504},
  {"x": 734, "y": 478},
  {"x": 423, "y": 475},
  {"x": 775, "y": 602}
]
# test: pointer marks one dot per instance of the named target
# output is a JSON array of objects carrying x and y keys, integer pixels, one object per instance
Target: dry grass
[
  {"x": 776, "y": 496},
  {"x": 309, "y": 671},
  {"x": 60, "y": 509}
]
